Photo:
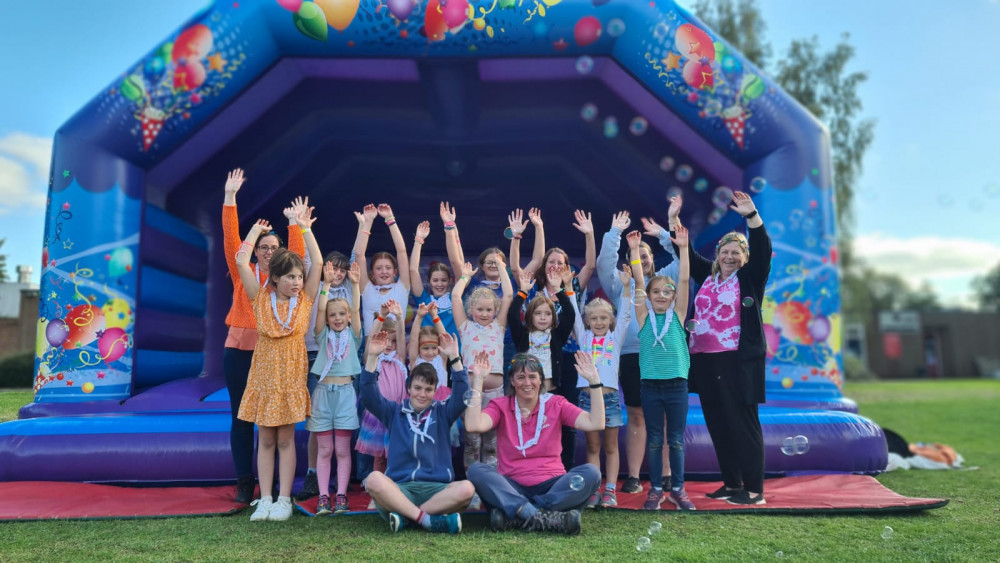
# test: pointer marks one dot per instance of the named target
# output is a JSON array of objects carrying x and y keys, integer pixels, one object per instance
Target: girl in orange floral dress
[{"x": 276, "y": 396}]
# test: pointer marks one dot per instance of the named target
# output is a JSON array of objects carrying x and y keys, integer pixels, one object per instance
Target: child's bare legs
[
  {"x": 594, "y": 450},
  {"x": 286, "y": 459},
  {"x": 611, "y": 460},
  {"x": 313, "y": 449},
  {"x": 266, "y": 437}
]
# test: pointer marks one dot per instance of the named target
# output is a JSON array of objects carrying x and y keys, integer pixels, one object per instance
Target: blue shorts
[
  {"x": 333, "y": 408},
  {"x": 612, "y": 407}
]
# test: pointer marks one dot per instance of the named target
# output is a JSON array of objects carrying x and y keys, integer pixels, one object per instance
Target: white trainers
[
  {"x": 475, "y": 503},
  {"x": 281, "y": 510},
  {"x": 263, "y": 511}
]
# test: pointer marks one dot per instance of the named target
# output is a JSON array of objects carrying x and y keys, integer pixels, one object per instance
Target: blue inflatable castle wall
[{"x": 490, "y": 104}]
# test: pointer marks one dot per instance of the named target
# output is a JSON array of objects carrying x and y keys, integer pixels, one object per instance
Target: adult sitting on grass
[
  {"x": 530, "y": 488},
  {"x": 418, "y": 485}
]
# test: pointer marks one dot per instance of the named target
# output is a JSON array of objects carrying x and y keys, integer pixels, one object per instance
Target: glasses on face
[
  {"x": 665, "y": 292},
  {"x": 490, "y": 264},
  {"x": 266, "y": 249}
]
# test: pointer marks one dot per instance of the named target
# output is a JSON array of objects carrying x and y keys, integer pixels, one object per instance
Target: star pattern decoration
[
  {"x": 672, "y": 61},
  {"x": 68, "y": 244},
  {"x": 65, "y": 173},
  {"x": 216, "y": 62}
]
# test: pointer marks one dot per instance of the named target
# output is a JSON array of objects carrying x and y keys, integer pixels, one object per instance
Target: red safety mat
[{"x": 44, "y": 500}]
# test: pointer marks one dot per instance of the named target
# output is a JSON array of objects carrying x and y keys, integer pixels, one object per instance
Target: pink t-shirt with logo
[
  {"x": 715, "y": 326},
  {"x": 541, "y": 461}
]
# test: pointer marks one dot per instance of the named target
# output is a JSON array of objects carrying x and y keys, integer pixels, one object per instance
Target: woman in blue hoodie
[{"x": 418, "y": 485}]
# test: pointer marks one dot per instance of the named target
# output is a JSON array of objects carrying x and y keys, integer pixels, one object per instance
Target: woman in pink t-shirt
[
  {"x": 529, "y": 488},
  {"x": 728, "y": 350}
]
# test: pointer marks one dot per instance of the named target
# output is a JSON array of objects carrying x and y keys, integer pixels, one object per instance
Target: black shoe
[
  {"x": 666, "y": 483},
  {"x": 567, "y": 522},
  {"x": 244, "y": 489},
  {"x": 499, "y": 521},
  {"x": 632, "y": 485},
  {"x": 723, "y": 493},
  {"x": 310, "y": 488},
  {"x": 747, "y": 498}
]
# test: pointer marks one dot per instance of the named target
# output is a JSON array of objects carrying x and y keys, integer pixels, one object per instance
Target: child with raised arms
[
  {"x": 391, "y": 370},
  {"x": 545, "y": 328},
  {"x": 439, "y": 280},
  {"x": 387, "y": 277},
  {"x": 424, "y": 346}
]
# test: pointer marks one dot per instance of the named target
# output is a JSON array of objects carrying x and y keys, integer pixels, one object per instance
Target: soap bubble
[
  {"x": 611, "y": 127},
  {"x": 655, "y": 528},
  {"x": 616, "y": 27},
  {"x": 508, "y": 233},
  {"x": 525, "y": 413},
  {"x": 757, "y": 185},
  {"x": 700, "y": 185},
  {"x": 638, "y": 126},
  {"x": 788, "y": 446},
  {"x": 684, "y": 173},
  {"x": 588, "y": 112},
  {"x": 779, "y": 554},
  {"x": 801, "y": 444},
  {"x": 643, "y": 544},
  {"x": 666, "y": 164},
  {"x": 748, "y": 301},
  {"x": 716, "y": 215},
  {"x": 471, "y": 396},
  {"x": 661, "y": 30},
  {"x": 886, "y": 533},
  {"x": 691, "y": 325},
  {"x": 722, "y": 196},
  {"x": 776, "y": 229},
  {"x": 576, "y": 482},
  {"x": 674, "y": 191},
  {"x": 584, "y": 64}
]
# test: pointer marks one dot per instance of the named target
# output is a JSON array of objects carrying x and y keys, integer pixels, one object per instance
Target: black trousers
[
  {"x": 568, "y": 389},
  {"x": 733, "y": 425},
  {"x": 236, "y": 368}
]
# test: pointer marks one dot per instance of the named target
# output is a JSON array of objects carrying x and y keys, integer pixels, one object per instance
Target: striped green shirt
[{"x": 669, "y": 358}]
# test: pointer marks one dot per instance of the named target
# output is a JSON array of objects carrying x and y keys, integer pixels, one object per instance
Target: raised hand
[
  {"x": 566, "y": 274},
  {"x": 421, "y": 310},
  {"x": 297, "y": 204},
  {"x": 583, "y": 222},
  {"x": 354, "y": 274},
  {"x": 377, "y": 343},
  {"x": 468, "y": 271},
  {"x": 447, "y": 212},
  {"x": 328, "y": 272},
  {"x": 384, "y": 211},
  {"x": 481, "y": 366},
  {"x": 360, "y": 217},
  {"x": 586, "y": 368},
  {"x": 448, "y": 345},
  {"x": 742, "y": 204},
  {"x": 234, "y": 180},
  {"x": 625, "y": 275},
  {"x": 516, "y": 221},
  {"x": 432, "y": 309},
  {"x": 675, "y": 208},
  {"x": 370, "y": 212},
  {"x": 621, "y": 220},
  {"x": 261, "y": 226},
  {"x": 423, "y": 229},
  {"x": 634, "y": 238},
  {"x": 395, "y": 309},
  {"x": 525, "y": 281},
  {"x": 304, "y": 217},
  {"x": 680, "y": 237},
  {"x": 535, "y": 215},
  {"x": 651, "y": 227}
]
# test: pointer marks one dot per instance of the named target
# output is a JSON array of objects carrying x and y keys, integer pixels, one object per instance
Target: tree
[
  {"x": 986, "y": 289},
  {"x": 741, "y": 24},
  {"x": 3, "y": 263},
  {"x": 870, "y": 291}
]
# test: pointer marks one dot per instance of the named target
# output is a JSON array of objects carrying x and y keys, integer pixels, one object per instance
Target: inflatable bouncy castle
[{"x": 602, "y": 105}]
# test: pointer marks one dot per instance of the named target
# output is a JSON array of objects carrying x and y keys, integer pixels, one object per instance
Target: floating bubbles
[
  {"x": 611, "y": 127},
  {"x": 655, "y": 528},
  {"x": 748, "y": 301},
  {"x": 576, "y": 482},
  {"x": 808, "y": 224},
  {"x": 691, "y": 325},
  {"x": 810, "y": 241},
  {"x": 887, "y": 532},
  {"x": 800, "y": 444},
  {"x": 643, "y": 544},
  {"x": 588, "y": 112},
  {"x": 616, "y": 27},
  {"x": 674, "y": 191},
  {"x": 525, "y": 413},
  {"x": 584, "y": 64},
  {"x": 638, "y": 126},
  {"x": 788, "y": 446},
  {"x": 684, "y": 173},
  {"x": 758, "y": 185},
  {"x": 666, "y": 164},
  {"x": 776, "y": 229},
  {"x": 700, "y": 185},
  {"x": 715, "y": 216},
  {"x": 722, "y": 196},
  {"x": 472, "y": 396},
  {"x": 779, "y": 554},
  {"x": 508, "y": 233},
  {"x": 661, "y": 30},
  {"x": 992, "y": 190}
]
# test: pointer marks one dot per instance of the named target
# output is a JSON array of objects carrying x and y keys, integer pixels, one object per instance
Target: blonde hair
[
  {"x": 338, "y": 301},
  {"x": 739, "y": 238},
  {"x": 539, "y": 301},
  {"x": 599, "y": 304},
  {"x": 483, "y": 293},
  {"x": 427, "y": 334}
]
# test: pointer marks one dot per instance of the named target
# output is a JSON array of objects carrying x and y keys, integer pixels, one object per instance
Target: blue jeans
[
  {"x": 665, "y": 398},
  {"x": 498, "y": 491}
]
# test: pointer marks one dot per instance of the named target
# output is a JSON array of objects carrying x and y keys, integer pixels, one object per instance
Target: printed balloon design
[
  {"x": 117, "y": 313},
  {"x": 694, "y": 44},
  {"x": 819, "y": 328},
  {"x": 84, "y": 322},
  {"x": 401, "y": 9},
  {"x": 434, "y": 25},
  {"x": 193, "y": 43},
  {"x": 290, "y": 5},
  {"x": 188, "y": 75},
  {"x": 112, "y": 344},
  {"x": 120, "y": 262},
  {"x": 455, "y": 12},
  {"x": 310, "y": 21},
  {"x": 56, "y": 332},
  {"x": 772, "y": 337},
  {"x": 587, "y": 30},
  {"x": 792, "y": 319},
  {"x": 339, "y": 13}
]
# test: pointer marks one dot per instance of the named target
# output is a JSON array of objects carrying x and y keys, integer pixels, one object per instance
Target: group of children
[{"x": 352, "y": 297}]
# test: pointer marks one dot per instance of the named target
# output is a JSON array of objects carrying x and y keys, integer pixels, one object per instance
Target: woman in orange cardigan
[{"x": 242, "y": 336}]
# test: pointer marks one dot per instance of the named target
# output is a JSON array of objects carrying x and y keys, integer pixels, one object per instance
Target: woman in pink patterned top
[{"x": 728, "y": 350}]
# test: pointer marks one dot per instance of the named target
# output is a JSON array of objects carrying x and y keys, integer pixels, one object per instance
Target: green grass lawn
[{"x": 963, "y": 414}]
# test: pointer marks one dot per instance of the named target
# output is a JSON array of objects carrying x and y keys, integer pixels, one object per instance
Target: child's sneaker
[
  {"x": 281, "y": 510},
  {"x": 371, "y": 505},
  {"x": 632, "y": 485},
  {"x": 608, "y": 498},
  {"x": 475, "y": 503},
  {"x": 450, "y": 523},
  {"x": 396, "y": 522},
  {"x": 681, "y": 500},
  {"x": 341, "y": 506},
  {"x": 654, "y": 499},
  {"x": 593, "y": 500},
  {"x": 263, "y": 511},
  {"x": 323, "y": 506}
]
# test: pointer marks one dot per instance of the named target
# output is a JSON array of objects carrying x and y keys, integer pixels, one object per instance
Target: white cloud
[
  {"x": 948, "y": 264},
  {"x": 24, "y": 170}
]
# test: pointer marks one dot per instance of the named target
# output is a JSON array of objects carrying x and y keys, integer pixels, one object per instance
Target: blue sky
[{"x": 928, "y": 198}]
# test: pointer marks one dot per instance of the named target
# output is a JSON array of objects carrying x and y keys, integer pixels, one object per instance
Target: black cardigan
[
  {"x": 751, "y": 351},
  {"x": 560, "y": 334}
]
